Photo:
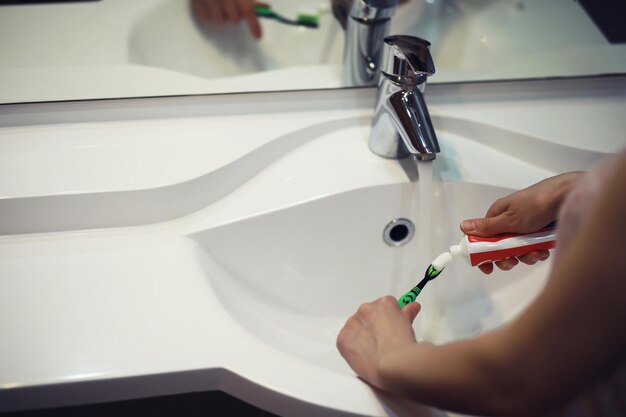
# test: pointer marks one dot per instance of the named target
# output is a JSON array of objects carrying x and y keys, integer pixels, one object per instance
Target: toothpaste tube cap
[{"x": 455, "y": 250}]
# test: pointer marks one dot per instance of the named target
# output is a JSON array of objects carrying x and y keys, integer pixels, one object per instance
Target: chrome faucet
[
  {"x": 366, "y": 26},
  {"x": 401, "y": 123}
]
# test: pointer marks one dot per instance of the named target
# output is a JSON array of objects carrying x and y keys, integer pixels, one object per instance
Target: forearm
[
  {"x": 578, "y": 318},
  {"x": 468, "y": 376},
  {"x": 567, "y": 337},
  {"x": 571, "y": 334}
]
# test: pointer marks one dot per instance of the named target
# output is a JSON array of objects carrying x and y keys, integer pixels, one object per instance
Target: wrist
[
  {"x": 394, "y": 370},
  {"x": 566, "y": 183},
  {"x": 553, "y": 192}
]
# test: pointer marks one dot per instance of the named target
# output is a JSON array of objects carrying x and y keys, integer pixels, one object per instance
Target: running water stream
[{"x": 430, "y": 316}]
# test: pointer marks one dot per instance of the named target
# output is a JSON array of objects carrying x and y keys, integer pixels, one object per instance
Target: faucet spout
[
  {"x": 413, "y": 123},
  {"x": 401, "y": 125}
]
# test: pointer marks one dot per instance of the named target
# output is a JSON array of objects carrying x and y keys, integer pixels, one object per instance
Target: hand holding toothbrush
[
  {"x": 524, "y": 211},
  {"x": 377, "y": 329},
  {"x": 228, "y": 11}
]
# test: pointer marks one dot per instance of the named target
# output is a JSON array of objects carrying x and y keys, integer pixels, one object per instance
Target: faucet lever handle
[{"x": 407, "y": 57}]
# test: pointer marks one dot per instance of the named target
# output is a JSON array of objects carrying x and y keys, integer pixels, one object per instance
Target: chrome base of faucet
[{"x": 401, "y": 125}]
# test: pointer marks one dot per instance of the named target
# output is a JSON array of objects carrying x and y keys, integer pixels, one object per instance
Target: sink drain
[{"x": 398, "y": 232}]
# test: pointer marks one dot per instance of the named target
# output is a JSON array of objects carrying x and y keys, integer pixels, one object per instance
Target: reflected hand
[
  {"x": 376, "y": 330},
  {"x": 227, "y": 11},
  {"x": 524, "y": 211}
]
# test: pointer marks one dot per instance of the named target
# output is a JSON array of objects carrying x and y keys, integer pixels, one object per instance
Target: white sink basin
[
  {"x": 231, "y": 260},
  {"x": 292, "y": 277}
]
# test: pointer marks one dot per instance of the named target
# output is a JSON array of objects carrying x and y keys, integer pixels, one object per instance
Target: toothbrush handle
[{"x": 409, "y": 297}]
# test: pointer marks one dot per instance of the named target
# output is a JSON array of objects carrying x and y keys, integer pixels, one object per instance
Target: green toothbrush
[
  {"x": 432, "y": 272},
  {"x": 306, "y": 20}
]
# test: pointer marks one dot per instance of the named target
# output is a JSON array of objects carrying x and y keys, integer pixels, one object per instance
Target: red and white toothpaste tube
[{"x": 479, "y": 250}]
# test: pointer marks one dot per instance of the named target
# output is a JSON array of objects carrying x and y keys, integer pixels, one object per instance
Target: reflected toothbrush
[{"x": 306, "y": 20}]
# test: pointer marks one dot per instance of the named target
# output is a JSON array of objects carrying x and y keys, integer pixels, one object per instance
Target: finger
[
  {"x": 199, "y": 10},
  {"x": 507, "y": 264},
  {"x": 231, "y": 11},
  {"x": 214, "y": 11},
  {"x": 487, "y": 268},
  {"x": 411, "y": 310},
  {"x": 533, "y": 257},
  {"x": 364, "y": 312},
  {"x": 498, "y": 207},
  {"x": 346, "y": 334},
  {"x": 488, "y": 226},
  {"x": 389, "y": 300},
  {"x": 493, "y": 223},
  {"x": 247, "y": 9}
]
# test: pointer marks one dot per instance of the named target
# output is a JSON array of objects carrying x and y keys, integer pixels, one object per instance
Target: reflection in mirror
[
  {"x": 119, "y": 48},
  {"x": 366, "y": 25}
]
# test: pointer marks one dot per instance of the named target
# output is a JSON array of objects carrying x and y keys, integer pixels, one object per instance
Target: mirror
[{"x": 143, "y": 48}]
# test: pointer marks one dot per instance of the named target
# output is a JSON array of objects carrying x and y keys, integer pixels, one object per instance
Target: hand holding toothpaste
[{"x": 524, "y": 211}]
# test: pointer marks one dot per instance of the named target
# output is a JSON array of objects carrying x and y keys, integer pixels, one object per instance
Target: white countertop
[{"x": 133, "y": 305}]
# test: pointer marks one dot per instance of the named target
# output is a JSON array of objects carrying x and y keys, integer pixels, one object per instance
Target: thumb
[
  {"x": 249, "y": 14},
  {"x": 254, "y": 25},
  {"x": 411, "y": 310},
  {"x": 487, "y": 226}
]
